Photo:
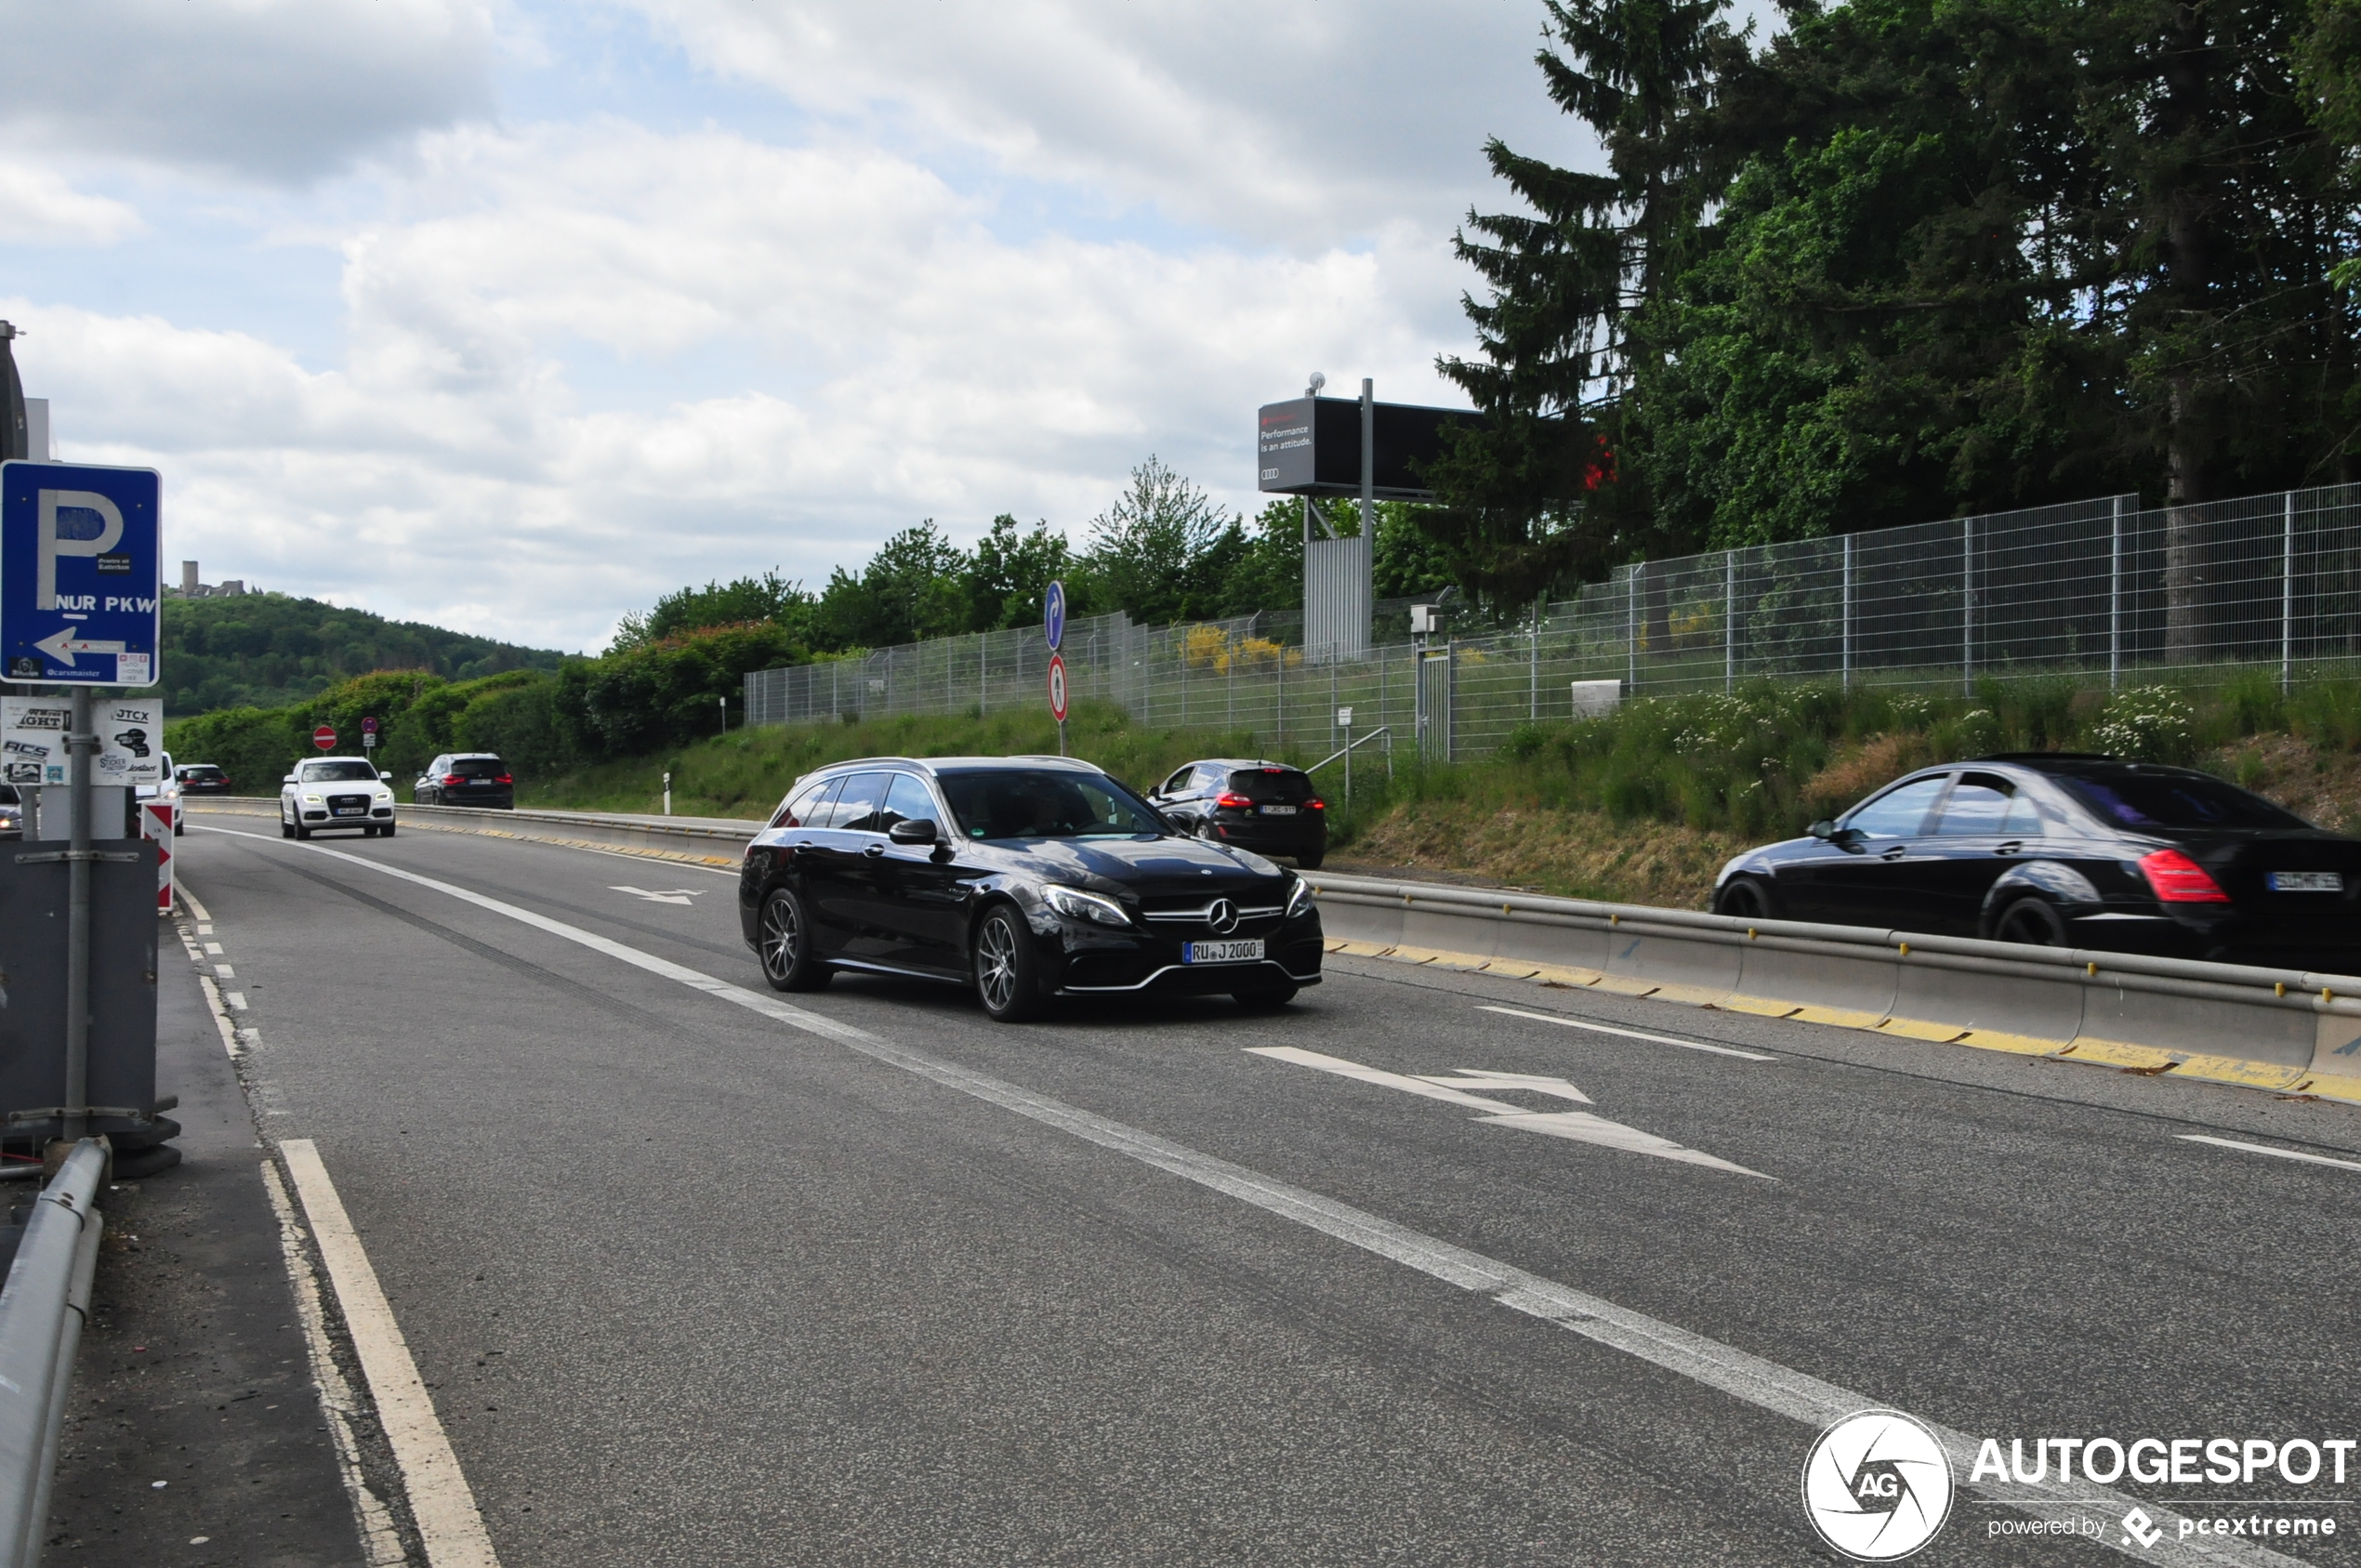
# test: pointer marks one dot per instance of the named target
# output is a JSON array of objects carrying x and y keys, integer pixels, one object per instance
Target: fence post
[
  {"x": 1632, "y": 632},
  {"x": 1844, "y": 614},
  {"x": 1729, "y": 621},
  {"x": 1967, "y": 607},
  {"x": 1280, "y": 722},
  {"x": 1532, "y": 668},
  {"x": 2287, "y": 596},
  {"x": 2114, "y": 596}
]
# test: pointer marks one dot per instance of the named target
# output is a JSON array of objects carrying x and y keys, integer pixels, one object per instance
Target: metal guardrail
[
  {"x": 42, "y": 1310},
  {"x": 2268, "y": 1027}
]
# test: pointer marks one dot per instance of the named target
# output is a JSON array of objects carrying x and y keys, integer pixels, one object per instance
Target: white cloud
[
  {"x": 38, "y": 207},
  {"x": 448, "y": 470},
  {"x": 1297, "y": 124},
  {"x": 281, "y": 91}
]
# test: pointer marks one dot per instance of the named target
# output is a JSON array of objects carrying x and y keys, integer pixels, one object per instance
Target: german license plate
[
  {"x": 1278, "y": 811},
  {"x": 1245, "y": 950},
  {"x": 2306, "y": 882},
  {"x": 352, "y": 811}
]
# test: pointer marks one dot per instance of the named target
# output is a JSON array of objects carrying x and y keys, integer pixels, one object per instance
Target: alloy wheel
[
  {"x": 781, "y": 937},
  {"x": 996, "y": 963}
]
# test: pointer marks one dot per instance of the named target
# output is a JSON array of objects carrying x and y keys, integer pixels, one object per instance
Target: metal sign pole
[{"x": 82, "y": 744}]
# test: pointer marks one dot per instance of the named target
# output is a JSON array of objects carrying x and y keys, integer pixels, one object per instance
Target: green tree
[
  {"x": 742, "y": 599},
  {"x": 1007, "y": 575},
  {"x": 1153, "y": 555},
  {"x": 913, "y": 587}
]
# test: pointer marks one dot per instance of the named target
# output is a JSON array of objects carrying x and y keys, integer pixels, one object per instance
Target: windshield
[
  {"x": 479, "y": 767},
  {"x": 1006, "y": 803},
  {"x": 2185, "y": 802},
  {"x": 1284, "y": 785},
  {"x": 338, "y": 772}
]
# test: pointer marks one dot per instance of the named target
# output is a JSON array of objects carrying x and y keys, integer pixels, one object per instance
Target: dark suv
[
  {"x": 467, "y": 778},
  {"x": 1266, "y": 806},
  {"x": 203, "y": 778}
]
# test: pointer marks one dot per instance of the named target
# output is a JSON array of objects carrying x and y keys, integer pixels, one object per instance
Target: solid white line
[
  {"x": 220, "y": 1011},
  {"x": 440, "y": 1502},
  {"x": 190, "y": 899},
  {"x": 1750, "y": 1377},
  {"x": 381, "y": 1542},
  {"x": 1628, "y": 1033},
  {"x": 2266, "y": 1149}
]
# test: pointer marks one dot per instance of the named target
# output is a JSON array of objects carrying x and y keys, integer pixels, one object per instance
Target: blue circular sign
[{"x": 1053, "y": 613}]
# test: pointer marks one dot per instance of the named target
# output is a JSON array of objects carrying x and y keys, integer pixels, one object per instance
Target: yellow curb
[
  {"x": 1624, "y": 985},
  {"x": 2332, "y": 1086},
  {"x": 1761, "y": 1006},
  {"x": 1839, "y": 1018},
  {"x": 1920, "y": 1029},
  {"x": 2116, "y": 1053},
  {"x": 2019, "y": 1045},
  {"x": 2236, "y": 1070},
  {"x": 1552, "y": 975},
  {"x": 1692, "y": 995}
]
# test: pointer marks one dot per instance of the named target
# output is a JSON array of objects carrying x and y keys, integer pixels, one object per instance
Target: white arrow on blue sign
[
  {"x": 1053, "y": 613},
  {"x": 80, "y": 573}
]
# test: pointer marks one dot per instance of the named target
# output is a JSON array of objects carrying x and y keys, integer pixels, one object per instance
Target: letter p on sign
[{"x": 51, "y": 544}]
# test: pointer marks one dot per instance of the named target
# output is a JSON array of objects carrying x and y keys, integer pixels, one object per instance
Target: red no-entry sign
[{"x": 324, "y": 738}]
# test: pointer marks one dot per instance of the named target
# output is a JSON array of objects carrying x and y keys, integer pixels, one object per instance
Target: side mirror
[
  {"x": 385, "y": 778},
  {"x": 1824, "y": 828},
  {"x": 289, "y": 779},
  {"x": 913, "y": 830}
]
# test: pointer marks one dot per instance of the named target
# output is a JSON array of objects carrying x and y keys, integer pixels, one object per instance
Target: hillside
[{"x": 268, "y": 650}]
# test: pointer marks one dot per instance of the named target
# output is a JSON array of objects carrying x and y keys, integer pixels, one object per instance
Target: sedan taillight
[
  {"x": 1315, "y": 805},
  {"x": 2175, "y": 878},
  {"x": 504, "y": 779}
]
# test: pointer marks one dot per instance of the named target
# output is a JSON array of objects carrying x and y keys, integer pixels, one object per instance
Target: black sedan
[
  {"x": 466, "y": 778},
  {"x": 1025, "y": 877},
  {"x": 1267, "y": 806},
  {"x": 204, "y": 778},
  {"x": 2071, "y": 850}
]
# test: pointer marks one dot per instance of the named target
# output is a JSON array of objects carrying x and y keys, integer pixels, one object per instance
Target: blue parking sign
[{"x": 80, "y": 573}]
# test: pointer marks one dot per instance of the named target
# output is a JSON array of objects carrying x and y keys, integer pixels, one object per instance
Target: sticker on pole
[
  {"x": 33, "y": 740},
  {"x": 1053, "y": 614},
  {"x": 1057, "y": 687},
  {"x": 324, "y": 738},
  {"x": 80, "y": 573}
]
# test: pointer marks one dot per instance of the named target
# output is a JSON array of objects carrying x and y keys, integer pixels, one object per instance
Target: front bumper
[
  {"x": 1088, "y": 960},
  {"x": 321, "y": 816}
]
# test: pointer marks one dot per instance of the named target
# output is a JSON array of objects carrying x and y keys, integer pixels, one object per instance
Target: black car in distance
[
  {"x": 1266, "y": 806},
  {"x": 1025, "y": 877},
  {"x": 466, "y": 778},
  {"x": 203, "y": 778},
  {"x": 2074, "y": 851}
]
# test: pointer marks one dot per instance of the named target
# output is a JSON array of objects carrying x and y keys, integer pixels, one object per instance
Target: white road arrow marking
[
  {"x": 673, "y": 895},
  {"x": 62, "y": 645},
  {"x": 1579, "y": 1126}
]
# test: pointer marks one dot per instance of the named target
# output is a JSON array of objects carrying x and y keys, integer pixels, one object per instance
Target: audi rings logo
[
  {"x": 1223, "y": 915},
  {"x": 1876, "y": 1486}
]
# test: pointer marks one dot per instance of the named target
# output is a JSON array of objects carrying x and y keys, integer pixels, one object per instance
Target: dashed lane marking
[
  {"x": 1628, "y": 1033},
  {"x": 1758, "y": 1381}
]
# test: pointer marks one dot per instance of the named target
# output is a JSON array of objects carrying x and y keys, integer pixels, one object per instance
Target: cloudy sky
[{"x": 510, "y": 315}]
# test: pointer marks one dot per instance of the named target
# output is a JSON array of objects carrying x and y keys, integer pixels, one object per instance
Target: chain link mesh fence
[{"x": 2099, "y": 588}]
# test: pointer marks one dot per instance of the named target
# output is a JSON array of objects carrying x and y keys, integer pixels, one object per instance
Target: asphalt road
[{"x": 692, "y": 1282}]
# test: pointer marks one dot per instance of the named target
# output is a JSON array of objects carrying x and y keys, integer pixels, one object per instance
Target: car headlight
[
  {"x": 311, "y": 801},
  {"x": 1084, "y": 906},
  {"x": 1300, "y": 899}
]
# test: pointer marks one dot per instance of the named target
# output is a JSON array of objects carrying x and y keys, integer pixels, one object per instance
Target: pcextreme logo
[{"x": 1876, "y": 1486}]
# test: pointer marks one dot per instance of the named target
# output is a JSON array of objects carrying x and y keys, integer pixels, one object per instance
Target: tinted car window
[
  {"x": 2187, "y": 802},
  {"x": 1278, "y": 786},
  {"x": 338, "y": 772},
  {"x": 8, "y": 796},
  {"x": 1177, "y": 783},
  {"x": 858, "y": 804},
  {"x": 1898, "y": 813},
  {"x": 1978, "y": 805},
  {"x": 906, "y": 800},
  {"x": 2024, "y": 819},
  {"x": 479, "y": 767},
  {"x": 1013, "y": 804},
  {"x": 810, "y": 808}
]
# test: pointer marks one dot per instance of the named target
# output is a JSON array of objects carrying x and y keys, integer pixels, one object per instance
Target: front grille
[
  {"x": 347, "y": 802},
  {"x": 1198, "y": 916}
]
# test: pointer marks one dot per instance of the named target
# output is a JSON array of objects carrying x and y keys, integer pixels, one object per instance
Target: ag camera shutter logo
[{"x": 1876, "y": 1486}]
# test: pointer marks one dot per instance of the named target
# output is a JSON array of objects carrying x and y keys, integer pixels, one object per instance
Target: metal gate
[{"x": 1433, "y": 696}]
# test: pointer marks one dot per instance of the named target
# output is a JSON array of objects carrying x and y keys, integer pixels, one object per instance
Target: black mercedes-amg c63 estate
[{"x": 1026, "y": 877}]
